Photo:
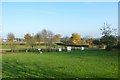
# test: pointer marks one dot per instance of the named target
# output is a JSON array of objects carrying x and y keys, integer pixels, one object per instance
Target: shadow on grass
[{"x": 19, "y": 70}]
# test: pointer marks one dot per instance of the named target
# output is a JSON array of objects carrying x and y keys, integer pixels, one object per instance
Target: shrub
[
  {"x": 116, "y": 47},
  {"x": 109, "y": 48},
  {"x": 22, "y": 43}
]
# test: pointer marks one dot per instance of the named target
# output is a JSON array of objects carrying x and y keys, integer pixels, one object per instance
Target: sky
[
  {"x": 60, "y": 0},
  {"x": 65, "y": 18}
]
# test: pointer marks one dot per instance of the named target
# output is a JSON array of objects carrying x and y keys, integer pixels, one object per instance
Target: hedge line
[{"x": 36, "y": 50}]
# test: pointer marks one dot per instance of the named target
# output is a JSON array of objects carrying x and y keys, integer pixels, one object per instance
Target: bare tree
[
  {"x": 44, "y": 36},
  {"x": 108, "y": 38},
  {"x": 38, "y": 37},
  {"x": 47, "y": 37},
  {"x": 50, "y": 38}
]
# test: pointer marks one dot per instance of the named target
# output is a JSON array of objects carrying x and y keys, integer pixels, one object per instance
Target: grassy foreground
[{"x": 81, "y": 64}]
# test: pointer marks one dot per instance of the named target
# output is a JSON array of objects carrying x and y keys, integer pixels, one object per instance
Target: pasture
[{"x": 75, "y": 64}]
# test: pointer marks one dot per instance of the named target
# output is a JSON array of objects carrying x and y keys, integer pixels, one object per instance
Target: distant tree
[
  {"x": 118, "y": 44},
  {"x": 96, "y": 41},
  {"x": 33, "y": 42},
  {"x": 115, "y": 32},
  {"x": 38, "y": 38},
  {"x": 44, "y": 36},
  {"x": 57, "y": 38},
  {"x": 50, "y": 36},
  {"x": 83, "y": 42},
  {"x": 65, "y": 40},
  {"x": 90, "y": 42},
  {"x": 75, "y": 38},
  {"x": 107, "y": 38},
  {"x": 11, "y": 39},
  {"x": 30, "y": 40},
  {"x": 47, "y": 36}
]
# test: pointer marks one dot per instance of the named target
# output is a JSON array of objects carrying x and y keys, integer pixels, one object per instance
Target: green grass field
[{"x": 80, "y": 64}]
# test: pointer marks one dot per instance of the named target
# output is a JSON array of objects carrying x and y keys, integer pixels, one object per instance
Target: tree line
[{"x": 47, "y": 37}]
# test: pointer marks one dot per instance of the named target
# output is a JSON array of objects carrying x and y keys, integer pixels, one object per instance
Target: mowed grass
[{"x": 75, "y": 64}]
